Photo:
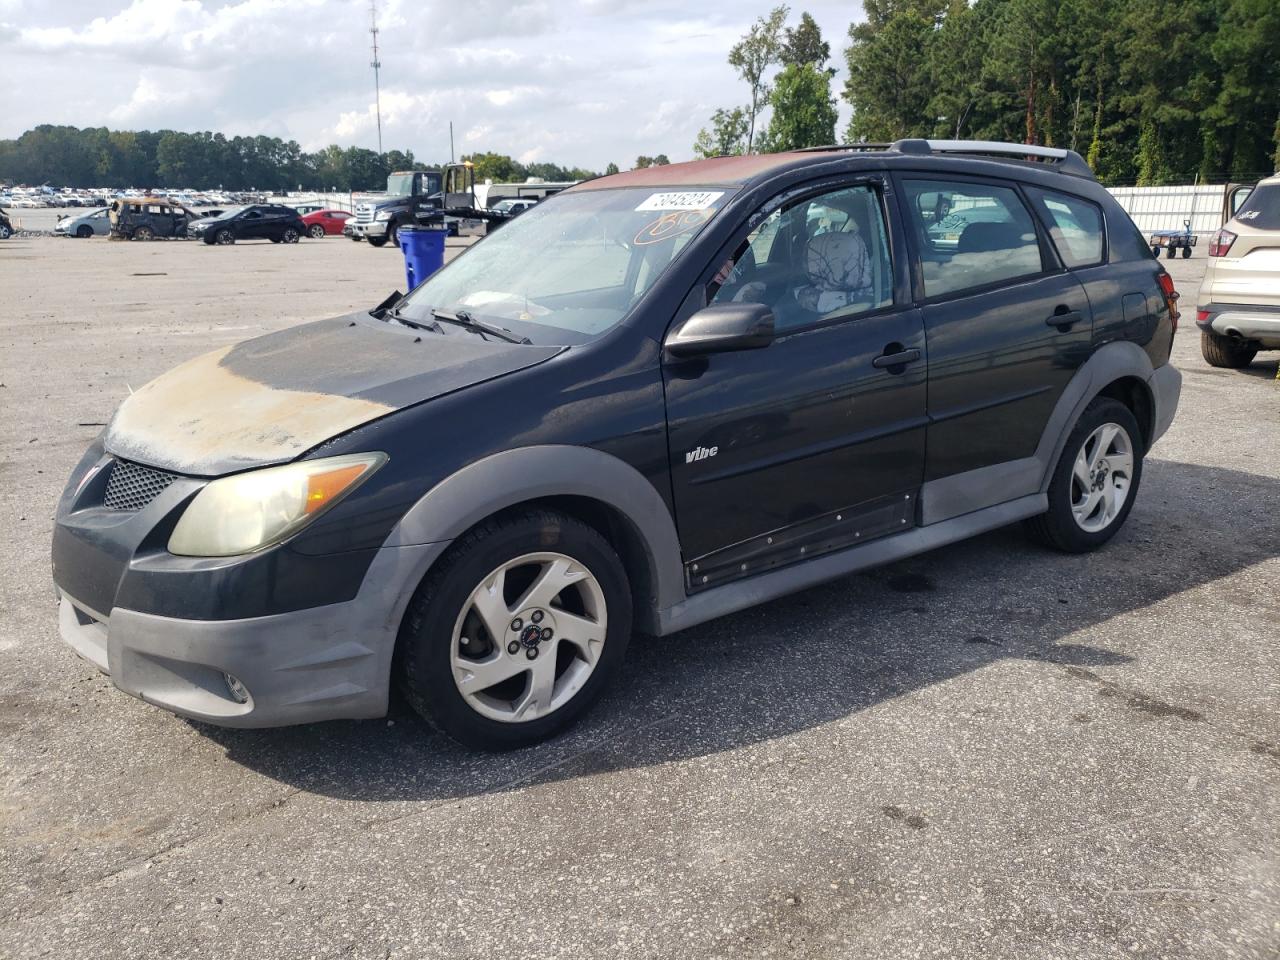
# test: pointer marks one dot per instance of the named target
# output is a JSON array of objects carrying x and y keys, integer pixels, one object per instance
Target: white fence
[{"x": 1165, "y": 208}]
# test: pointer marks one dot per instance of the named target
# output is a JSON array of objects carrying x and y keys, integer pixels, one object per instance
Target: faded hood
[{"x": 270, "y": 399}]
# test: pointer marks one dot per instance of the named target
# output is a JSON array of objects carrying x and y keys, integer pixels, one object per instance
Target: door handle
[
  {"x": 1064, "y": 318},
  {"x": 900, "y": 359}
]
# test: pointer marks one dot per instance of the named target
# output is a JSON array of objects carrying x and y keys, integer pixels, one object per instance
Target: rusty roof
[{"x": 717, "y": 171}]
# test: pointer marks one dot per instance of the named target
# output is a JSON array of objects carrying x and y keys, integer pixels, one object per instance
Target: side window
[
  {"x": 970, "y": 234},
  {"x": 822, "y": 258},
  {"x": 155, "y": 208},
  {"x": 1075, "y": 225},
  {"x": 253, "y": 215}
]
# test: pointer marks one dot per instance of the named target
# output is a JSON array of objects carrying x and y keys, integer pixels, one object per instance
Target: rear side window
[
  {"x": 970, "y": 234},
  {"x": 1262, "y": 208},
  {"x": 1074, "y": 224}
]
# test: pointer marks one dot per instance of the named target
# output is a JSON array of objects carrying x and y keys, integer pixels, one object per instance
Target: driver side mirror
[{"x": 722, "y": 327}]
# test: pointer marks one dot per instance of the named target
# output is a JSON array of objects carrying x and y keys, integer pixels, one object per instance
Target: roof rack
[
  {"x": 831, "y": 147},
  {"x": 1067, "y": 161}
]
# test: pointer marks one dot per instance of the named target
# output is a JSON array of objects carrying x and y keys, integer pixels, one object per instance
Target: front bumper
[
  {"x": 1243, "y": 321},
  {"x": 297, "y": 667},
  {"x": 168, "y": 629},
  {"x": 374, "y": 228}
]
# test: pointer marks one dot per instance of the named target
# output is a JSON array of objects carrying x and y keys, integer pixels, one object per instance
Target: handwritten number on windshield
[{"x": 672, "y": 225}]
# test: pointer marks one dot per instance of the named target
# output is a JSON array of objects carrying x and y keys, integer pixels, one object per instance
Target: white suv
[{"x": 1239, "y": 308}]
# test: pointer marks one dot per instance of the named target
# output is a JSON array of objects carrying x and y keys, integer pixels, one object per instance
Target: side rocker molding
[
  {"x": 964, "y": 493},
  {"x": 741, "y": 594},
  {"x": 554, "y": 470}
]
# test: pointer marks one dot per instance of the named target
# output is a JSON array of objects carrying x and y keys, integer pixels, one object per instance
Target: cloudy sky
[{"x": 578, "y": 82}]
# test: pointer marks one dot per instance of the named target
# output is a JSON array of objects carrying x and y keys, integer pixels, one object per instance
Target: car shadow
[{"x": 820, "y": 655}]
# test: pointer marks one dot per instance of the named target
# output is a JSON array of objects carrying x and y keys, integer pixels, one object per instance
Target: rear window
[
  {"x": 1074, "y": 224},
  {"x": 1262, "y": 208}
]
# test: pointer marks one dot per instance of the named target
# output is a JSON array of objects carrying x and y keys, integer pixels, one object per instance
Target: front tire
[
  {"x": 315, "y": 232},
  {"x": 1095, "y": 482},
  {"x": 224, "y": 238},
  {"x": 1186, "y": 253},
  {"x": 84, "y": 231},
  {"x": 1220, "y": 351},
  {"x": 516, "y": 631},
  {"x": 377, "y": 241}
]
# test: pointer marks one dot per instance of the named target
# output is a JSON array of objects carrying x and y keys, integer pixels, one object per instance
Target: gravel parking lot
[{"x": 990, "y": 751}]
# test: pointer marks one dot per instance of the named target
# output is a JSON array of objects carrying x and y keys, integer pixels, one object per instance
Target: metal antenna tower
[{"x": 377, "y": 65}]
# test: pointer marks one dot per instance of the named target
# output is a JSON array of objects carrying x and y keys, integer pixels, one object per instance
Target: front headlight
[
  {"x": 383, "y": 215},
  {"x": 249, "y": 511}
]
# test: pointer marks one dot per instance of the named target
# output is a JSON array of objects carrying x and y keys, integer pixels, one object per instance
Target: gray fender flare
[
  {"x": 1110, "y": 362},
  {"x": 511, "y": 477}
]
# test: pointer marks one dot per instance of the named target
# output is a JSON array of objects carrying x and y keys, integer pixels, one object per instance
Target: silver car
[
  {"x": 92, "y": 224},
  {"x": 1238, "y": 312}
]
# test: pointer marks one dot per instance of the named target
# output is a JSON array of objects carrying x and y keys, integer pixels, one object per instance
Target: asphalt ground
[{"x": 990, "y": 751}]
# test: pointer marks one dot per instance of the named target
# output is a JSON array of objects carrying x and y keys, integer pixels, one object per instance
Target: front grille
[
  {"x": 131, "y": 486},
  {"x": 364, "y": 213}
]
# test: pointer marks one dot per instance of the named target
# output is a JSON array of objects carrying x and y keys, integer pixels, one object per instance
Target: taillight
[
  {"x": 1220, "y": 243},
  {"x": 1170, "y": 296}
]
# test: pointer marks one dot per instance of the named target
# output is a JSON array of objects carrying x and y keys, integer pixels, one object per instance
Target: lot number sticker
[{"x": 685, "y": 200}]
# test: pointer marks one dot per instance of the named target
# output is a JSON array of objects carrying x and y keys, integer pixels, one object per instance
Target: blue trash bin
[{"x": 423, "y": 249}]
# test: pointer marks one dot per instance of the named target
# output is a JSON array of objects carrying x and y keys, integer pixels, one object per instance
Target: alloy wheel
[
  {"x": 528, "y": 637},
  {"x": 1101, "y": 477}
]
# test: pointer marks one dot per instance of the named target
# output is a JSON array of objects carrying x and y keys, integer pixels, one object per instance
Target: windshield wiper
[
  {"x": 395, "y": 314},
  {"x": 464, "y": 319}
]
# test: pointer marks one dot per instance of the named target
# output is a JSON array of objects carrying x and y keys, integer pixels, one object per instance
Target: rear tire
[
  {"x": 1170, "y": 253},
  {"x": 1220, "y": 351},
  {"x": 1095, "y": 482},
  {"x": 468, "y": 627},
  {"x": 144, "y": 233},
  {"x": 290, "y": 235}
]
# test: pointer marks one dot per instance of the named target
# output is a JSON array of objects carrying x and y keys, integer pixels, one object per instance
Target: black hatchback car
[
  {"x": 260, "y": 221},
  {"x": 654, "y": 399}
]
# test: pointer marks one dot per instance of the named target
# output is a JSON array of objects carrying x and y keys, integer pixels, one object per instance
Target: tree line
[
  {"x": 1149, "y": 94},
  {"x": 98, "y": 157}
]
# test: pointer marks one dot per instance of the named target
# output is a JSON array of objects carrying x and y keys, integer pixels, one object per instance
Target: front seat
[{"x": 838, "y": 270}]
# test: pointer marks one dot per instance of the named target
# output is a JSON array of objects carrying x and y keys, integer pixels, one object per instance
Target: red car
[{"x": 325, "y": 223}]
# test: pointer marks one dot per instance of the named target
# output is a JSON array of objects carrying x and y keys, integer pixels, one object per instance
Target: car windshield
[
  {"x": 400, "y": 185},
  {"x": 570, "y": 268}
]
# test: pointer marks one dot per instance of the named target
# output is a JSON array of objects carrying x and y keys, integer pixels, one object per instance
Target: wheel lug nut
[
  {"x": 513, "y": 647},
  {"x": 536, "y": 616},
  {"x": 516, "y": 624},
  {"x": 531, "y": 653},
  {"x": 546, "y": 633}
]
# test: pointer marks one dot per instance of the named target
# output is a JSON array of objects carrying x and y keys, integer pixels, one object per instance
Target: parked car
[
  {"x": 96, "y": 223},
  {"x": 306, "y": 208},
  {"x": 147, "y": 218},
  {"x": 325, "y": 223},
  {"x": 513, "y": 206},
  {"x": 1238, "y": 311},
  {"x": 262, "y": 221},
  {"x": 6, "y": 226},
  {"x": 656, "y": 398}
]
